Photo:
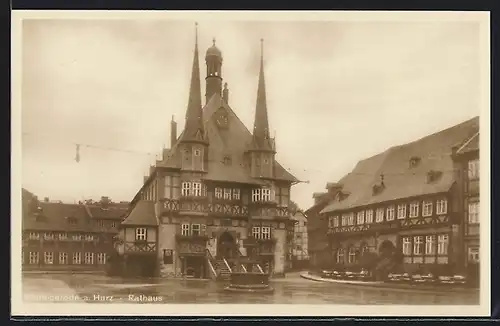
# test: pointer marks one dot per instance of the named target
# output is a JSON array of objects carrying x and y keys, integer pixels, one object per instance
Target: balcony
[
  {"x": 191, "y": 249},
  {"x": 227, "y": 209},
  {"x": 269, "y": 211},
  {"x": 140, "y": 247}
]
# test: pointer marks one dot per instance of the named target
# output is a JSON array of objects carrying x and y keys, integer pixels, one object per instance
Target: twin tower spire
[{"x": 194, "y": 130}]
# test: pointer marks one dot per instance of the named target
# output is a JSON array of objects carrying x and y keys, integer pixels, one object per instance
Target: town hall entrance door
[{"x": 225, "y": 245}]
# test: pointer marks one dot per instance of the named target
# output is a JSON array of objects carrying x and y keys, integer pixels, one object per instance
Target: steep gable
[
  {"x": 228, "y": 142},
  {"x": 143, "y": 214}
]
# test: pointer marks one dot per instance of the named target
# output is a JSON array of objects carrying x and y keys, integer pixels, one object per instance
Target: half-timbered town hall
[{"x": 217, "y": 198}]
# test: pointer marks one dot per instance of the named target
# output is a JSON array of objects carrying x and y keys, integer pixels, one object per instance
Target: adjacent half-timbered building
[
  {"x": 467, "y": 162},
  {"x": 404, "y": 200},
  {"x": 219, "y": 194},
  {"x": 62, "y": 236}
]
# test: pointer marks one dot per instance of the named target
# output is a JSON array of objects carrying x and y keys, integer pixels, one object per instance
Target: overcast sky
[{"x": 337, "y": 92}]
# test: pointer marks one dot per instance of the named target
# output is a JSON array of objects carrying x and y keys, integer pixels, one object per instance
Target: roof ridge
[{"x": 468, "y": 142}]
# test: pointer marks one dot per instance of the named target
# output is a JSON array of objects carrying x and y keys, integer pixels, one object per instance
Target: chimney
[
  {"x": 333, "y": 188},
  {"x": 151, "y": 169},
  {"x": 173, "y": 132},
  {"x": 104, "y": 199},
  {"x": 317, "y": 196},
  {"x": 46, "y": 199},
  {"x": 225, "y": 94}
]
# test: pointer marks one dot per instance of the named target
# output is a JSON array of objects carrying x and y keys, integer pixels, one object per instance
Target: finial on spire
[
  {"x": 213, "y": 41},
  {"x": 196, "y": 33},
  {"x": 261, "y": 48}
]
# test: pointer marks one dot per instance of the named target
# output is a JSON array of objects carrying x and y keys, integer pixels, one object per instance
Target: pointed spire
[
  {"x": 194, "y": 130},
  {"x": 261, "y": 135}
]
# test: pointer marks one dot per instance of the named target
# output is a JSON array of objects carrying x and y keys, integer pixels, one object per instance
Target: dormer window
[
  {"x": 414, "y": 161},
  {"x": 433, "y": 176}
]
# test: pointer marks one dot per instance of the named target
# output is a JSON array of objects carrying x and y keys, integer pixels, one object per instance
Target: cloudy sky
[{"x": 337, "y": 91}]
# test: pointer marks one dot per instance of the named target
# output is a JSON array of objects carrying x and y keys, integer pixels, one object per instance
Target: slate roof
[
  {"x": 55, "y": 217},
  {"x": 113, "y": 211},
  {"x": 232, "y": 141},
  {"x": 401, "y": 181},
  {"x": 142, "y": 214}
]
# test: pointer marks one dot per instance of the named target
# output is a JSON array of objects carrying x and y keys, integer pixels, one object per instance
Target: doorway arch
[
  {"x": 386, "y": 248},
  {"x": 225, "y": 245}
]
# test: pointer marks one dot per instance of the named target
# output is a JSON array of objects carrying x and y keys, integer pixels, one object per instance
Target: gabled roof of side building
[
  {"x": 143, "y": 214},
  {"x": 432, "y": 153}
]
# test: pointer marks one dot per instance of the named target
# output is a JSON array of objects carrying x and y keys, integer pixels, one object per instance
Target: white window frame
[
  {"x": 369, "y": 216},
  {"x": 141, "y": 234},
  {"x": 236, "y": 194},
  {"x": 266, "y": 194},
  {"x": 227, "y": 194},
  {"x": 335, "y": 221},
  {"x": 414, "y": 208},
  {"x": 101, "y": 258},
  {"x": 48, "y": 257},
  {"x": 473, "y": 169},
  {"x": 473, "y": 212},
  {"x": 186, "y": 189},
  {"x": 430, "y": 244},
  {"x": 407, "y": 250},
  {"x": 361, "y": 217},
  {"x": 89, "y": 258},
  {"x": 256, "y": 195},
  {"x": 379, "y": 217},
  {"x": 390, "y": 213},
  {"x": 218, "y": 192},
  {"x": 473, "y": 254},
  {"x": 77, "y": 237},
  {"x": 34, "y": 236},
  {"x": 197, "y": 152},
  {"x": 351, "y": 255},
  {"x": 265, "y": 232},
  {"x": 340, "y": 256},
  {"x": 344, "y": 219},
  {"x": 77, "y": 258},
  {"x": 418, "y": 243},
  {"x": 63, "y": 258},
  {"x": 113, "y": 224},
  {"x": 196, "y": 189},
  {"x": 442, "y": 206},
  {"x": 63, "y": 236},
  {"x": 443, "y": 243},
  {"x": 34, "y": 257},
  {"x": 195, "y": 229},
  {"x": 401, "y": 211},
  {"x": 427, "y": 208},
  {"x": 48, "y": 236},
  {"x": 185, "y": 229},
  {"x": 89, "y": 237},
  {"x": 256, "y": 232}
]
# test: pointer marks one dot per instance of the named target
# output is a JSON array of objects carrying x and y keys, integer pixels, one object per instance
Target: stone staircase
[{"x": 223, "y": 272}]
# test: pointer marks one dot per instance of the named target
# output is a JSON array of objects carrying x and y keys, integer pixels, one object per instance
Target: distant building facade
[
  {"x": 300, "y": 253},
  {"x": 61, "y": 236},
  {"x": 408, "y": 201},
  {"x": 217, "y": 198}
]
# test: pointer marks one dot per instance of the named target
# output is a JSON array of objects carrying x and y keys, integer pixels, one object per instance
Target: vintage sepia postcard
[{"x": 250, "y": 163}]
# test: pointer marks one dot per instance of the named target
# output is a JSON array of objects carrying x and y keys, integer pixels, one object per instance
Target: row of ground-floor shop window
[{"x": 64, "y": 258}]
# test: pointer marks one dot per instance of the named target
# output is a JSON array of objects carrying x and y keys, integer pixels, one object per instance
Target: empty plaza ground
[{"x": 293, "y": 289}]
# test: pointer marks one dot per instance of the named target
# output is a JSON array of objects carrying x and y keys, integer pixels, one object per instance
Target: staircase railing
[
  {"x": 238, "y": 259},
  {"x": 227, "y": 265},
  {"x": 211, "y": 261},
  {"x": 260, "y": 269}
]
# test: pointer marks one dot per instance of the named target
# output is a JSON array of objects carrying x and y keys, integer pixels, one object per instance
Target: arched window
[
  {"x": 340, "y": 255},
  {"x": 352, "y": 255}
]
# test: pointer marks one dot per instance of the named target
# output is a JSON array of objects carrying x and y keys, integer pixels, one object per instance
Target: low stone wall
[{"x": 249, "y": 278}]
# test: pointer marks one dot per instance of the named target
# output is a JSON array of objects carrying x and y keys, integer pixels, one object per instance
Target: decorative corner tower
[
  {"x": 262, "y": 149},
  {"x": 193, "y": 143},
  {"x": 213, "y": 60}
]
